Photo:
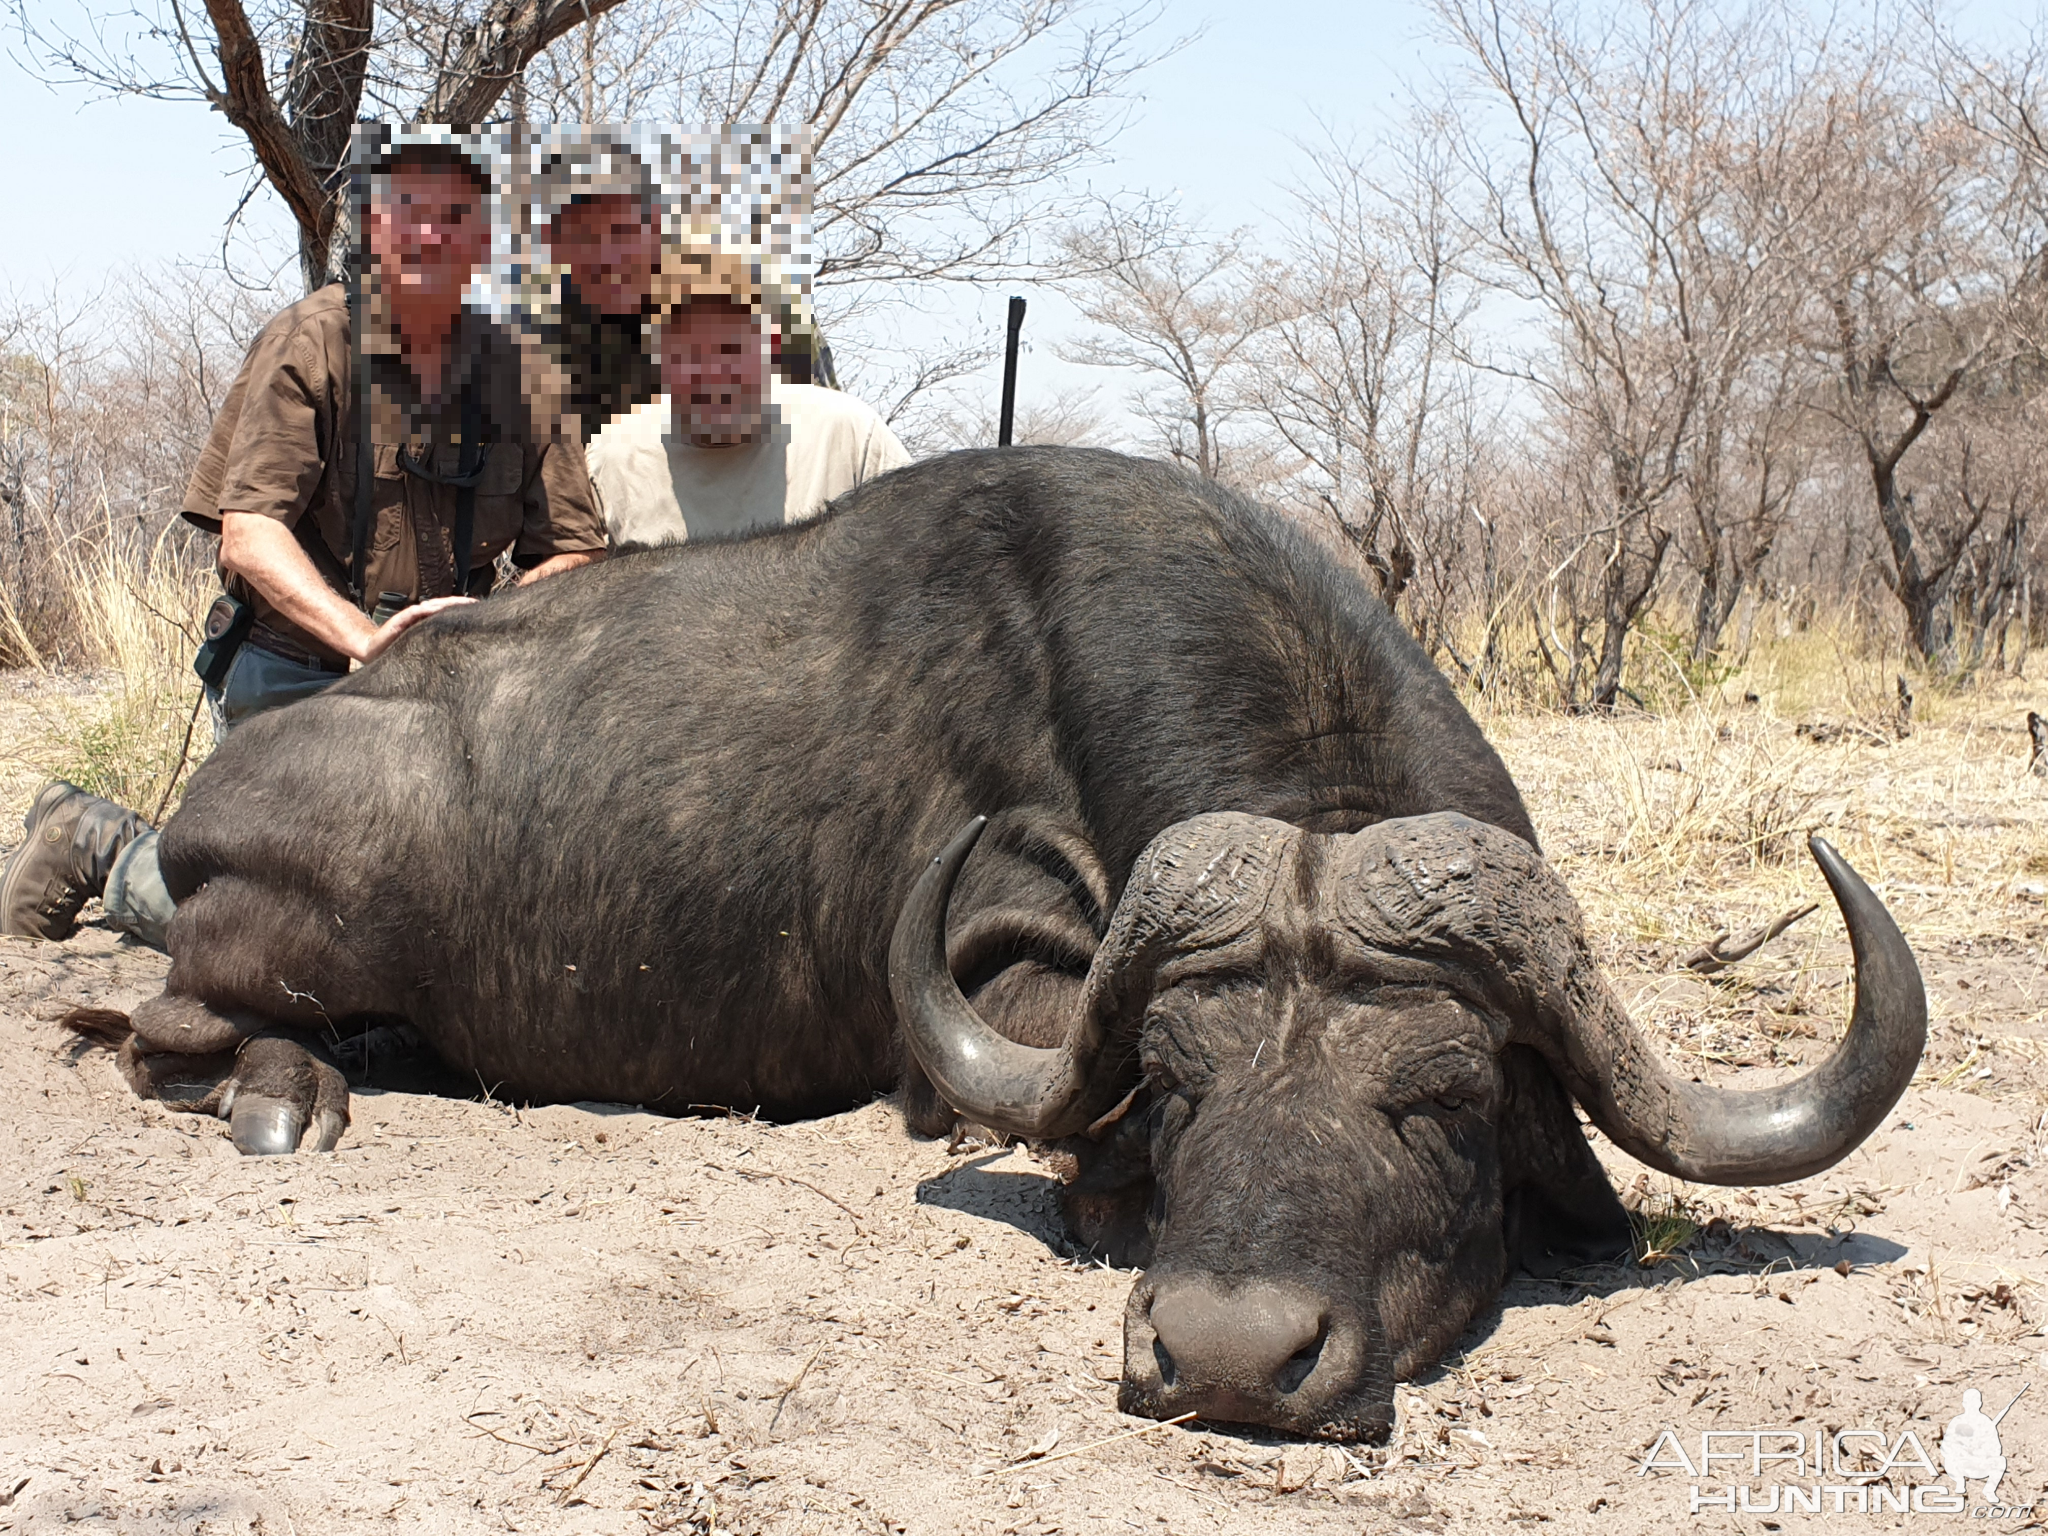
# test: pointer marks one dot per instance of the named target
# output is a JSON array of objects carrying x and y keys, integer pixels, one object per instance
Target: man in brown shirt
[
  {"x": 466, "y": 462},
  {"x": 264, "y": 463},
  {"x": 278, "y": 477}
]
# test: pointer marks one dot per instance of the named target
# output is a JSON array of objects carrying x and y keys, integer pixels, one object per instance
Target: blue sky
[
  {"x": 95, "y": 184},
  {"x": 97, "y": 187}
]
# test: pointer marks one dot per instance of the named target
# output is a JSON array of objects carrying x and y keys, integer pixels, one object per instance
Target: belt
[{"x": 264, "y": 638}]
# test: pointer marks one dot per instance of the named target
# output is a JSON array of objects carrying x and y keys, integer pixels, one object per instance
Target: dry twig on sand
[
  {"x": 790, "y": 1178},
  {"x": 563, "y": 1498},
  {"x": 470, "y": 1420},
  {"x": 1717, "y": 954},
  {"x": 794, "y": 1382},
  {"x": 1034, "y": 1462}
]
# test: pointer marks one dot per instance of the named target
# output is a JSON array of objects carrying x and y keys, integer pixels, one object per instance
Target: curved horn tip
[
  {"x": 1028, "y": 1091},
  {"x": 1790, "y": 1130},
  {"x": 963, "y": 840},
  {"x": 1839, "y": 873}
]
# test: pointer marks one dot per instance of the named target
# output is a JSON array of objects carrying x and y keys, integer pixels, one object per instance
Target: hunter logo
[
  {"x": 1970, "y": 1448},
  {"x": 1848, "y": 1471}
]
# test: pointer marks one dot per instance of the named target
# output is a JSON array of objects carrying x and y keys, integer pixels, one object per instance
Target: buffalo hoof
[
  {"x": 268, "y": 1084},
  {"x": 267, "y": 1127},
  {"x": 281, "y": 1087}
]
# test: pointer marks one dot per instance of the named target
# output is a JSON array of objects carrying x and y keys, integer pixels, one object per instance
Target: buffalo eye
[
  {"x": 1434, "y": 1107},
  {"x": 1453, "y": 1102},
  {"x": 1183, "y": 1087},
  {"x": 1175, "y": 1052},
  {"x": 1456, "y": 1105}
]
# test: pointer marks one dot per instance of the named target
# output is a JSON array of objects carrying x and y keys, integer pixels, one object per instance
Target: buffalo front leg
[{"x": 275, "y": 1087}]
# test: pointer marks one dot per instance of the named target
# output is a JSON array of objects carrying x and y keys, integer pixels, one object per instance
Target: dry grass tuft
[
  {"x": 1665, "y": 1220},
  {"x": 137, "y": 624},
  {"x": 1671, "y": 827},
  {"x": 1695, "y": 796}
]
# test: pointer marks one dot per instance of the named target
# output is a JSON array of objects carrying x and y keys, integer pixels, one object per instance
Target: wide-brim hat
[{"x": 696, "y": 274}]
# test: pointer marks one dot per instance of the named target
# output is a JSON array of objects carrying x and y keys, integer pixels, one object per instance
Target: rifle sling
[
  {"x": 465, "y": 495},
  {"x": 366, "y": 453}
]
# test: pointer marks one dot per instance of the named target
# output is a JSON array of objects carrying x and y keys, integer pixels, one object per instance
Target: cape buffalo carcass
[{"x": 1256, "y": 934}]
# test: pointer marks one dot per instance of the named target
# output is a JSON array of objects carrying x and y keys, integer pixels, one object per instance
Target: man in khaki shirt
[
  {"x": 532, "y": 493},
  {"x": 463, "y": 467},
  {"x": 728, "y": 448}
]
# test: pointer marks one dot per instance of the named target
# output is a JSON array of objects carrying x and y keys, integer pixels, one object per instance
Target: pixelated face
[
  {"x": 714, "y": 367},
  {"x": 428, "y": 231},
  {"x": 611, "y": 246}
]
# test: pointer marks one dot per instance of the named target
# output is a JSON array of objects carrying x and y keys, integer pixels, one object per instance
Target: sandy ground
[{"x": 584, "y": 1318}]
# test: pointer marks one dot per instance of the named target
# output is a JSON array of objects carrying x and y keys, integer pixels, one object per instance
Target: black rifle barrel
[{"x": 1008, "y": 420}]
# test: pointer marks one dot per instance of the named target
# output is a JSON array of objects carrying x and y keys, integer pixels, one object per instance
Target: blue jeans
[
  {"x": 136, "y": 901},
  {"x": 257, "y": 681}
]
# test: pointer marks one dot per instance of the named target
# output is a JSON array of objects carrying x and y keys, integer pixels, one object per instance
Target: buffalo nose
[{"x": 1258, "y": 1338}]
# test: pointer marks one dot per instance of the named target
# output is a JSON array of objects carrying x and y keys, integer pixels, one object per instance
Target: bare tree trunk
[
  {"x": 1395, "y": 569},
  {"x": 590, "y": 70},
  {"x": 2026, "y": 624},
  {"x": 1922, "y": 588},
  {"x": 1490, "y": 596},
  {"x": 1721, "y": 589},
  {"x": 316, "y": 268},
  {"x": 1630, "y": 578}
]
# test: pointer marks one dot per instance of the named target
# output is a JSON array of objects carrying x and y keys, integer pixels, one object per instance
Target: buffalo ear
[
  {"x": 1108, "y": 1193},
  {"x": 1560, "y": 1211}
]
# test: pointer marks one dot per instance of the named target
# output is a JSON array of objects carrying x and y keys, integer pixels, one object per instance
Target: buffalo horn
[
  {"x": 1763, "y": 1135},
  {"x": 1483, "y": 910},
  {"x": 1199, "y": 885},
  {"x": 1020, "y": 1090}
]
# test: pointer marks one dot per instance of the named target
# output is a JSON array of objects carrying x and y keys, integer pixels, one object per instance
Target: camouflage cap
[
  {"x": 592, "y": 165},
  {"x": 702, "y": 269}
]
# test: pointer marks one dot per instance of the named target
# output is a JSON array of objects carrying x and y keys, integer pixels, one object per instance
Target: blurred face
[
  {"x": 428, "y": 232},
  {"x": 714, "y": 366},
  {"x": 610, "y": 245}
]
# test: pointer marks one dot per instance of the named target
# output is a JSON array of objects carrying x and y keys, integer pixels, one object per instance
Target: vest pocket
[
  {"x": 387, "y": 503},
  {"x": 498, "y": 517}
]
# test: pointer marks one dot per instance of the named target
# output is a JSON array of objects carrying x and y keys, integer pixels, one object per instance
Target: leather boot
[{"x": 73, "y": 840}]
